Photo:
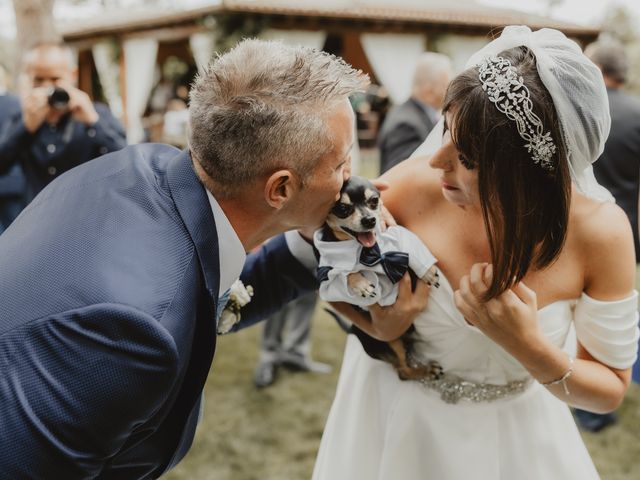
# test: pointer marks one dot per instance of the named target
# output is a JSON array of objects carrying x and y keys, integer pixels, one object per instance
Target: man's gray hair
[
  {"x": 43, "y": 48},
  {"x": 430, "y": 66},
  {"x": 611, "y": 58},
  {"x": 263, "y": 106}
]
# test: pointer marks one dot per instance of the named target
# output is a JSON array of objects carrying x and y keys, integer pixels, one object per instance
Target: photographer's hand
[
  {"x": 81, "y": 106},
  {"x": 35, "y": 108}
]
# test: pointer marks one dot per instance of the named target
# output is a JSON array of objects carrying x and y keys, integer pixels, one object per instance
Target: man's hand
[{"x": 35, "y": 107}]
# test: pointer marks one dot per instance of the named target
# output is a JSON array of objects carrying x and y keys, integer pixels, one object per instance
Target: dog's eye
[
  {"x": 373, "y": 202},
  {"x": 342, "y": 210}
]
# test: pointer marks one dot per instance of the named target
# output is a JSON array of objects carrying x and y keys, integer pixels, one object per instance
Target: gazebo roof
[{"x": 463, "y": 16}]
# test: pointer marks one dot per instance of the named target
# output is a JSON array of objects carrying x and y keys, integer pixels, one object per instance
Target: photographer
[{"x": 58, "y": 127}]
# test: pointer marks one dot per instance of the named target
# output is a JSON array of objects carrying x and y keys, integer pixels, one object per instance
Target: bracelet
[{"x": 563, "y": 379}]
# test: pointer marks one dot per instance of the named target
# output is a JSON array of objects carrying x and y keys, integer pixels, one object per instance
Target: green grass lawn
[{"x": 273, "y": 434}]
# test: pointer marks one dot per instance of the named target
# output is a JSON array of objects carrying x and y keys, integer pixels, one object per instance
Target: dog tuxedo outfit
[{"x": 383, "y": 265}]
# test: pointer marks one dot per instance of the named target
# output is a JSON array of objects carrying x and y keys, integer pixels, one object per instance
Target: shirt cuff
[{"x": 301, "y": 250}]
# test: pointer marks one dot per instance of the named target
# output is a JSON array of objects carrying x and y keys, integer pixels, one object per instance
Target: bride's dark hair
[{"x": 525, "y": 207}]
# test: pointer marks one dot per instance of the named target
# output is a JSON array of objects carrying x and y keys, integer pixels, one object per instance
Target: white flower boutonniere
[{"x": 239, "y": 296}]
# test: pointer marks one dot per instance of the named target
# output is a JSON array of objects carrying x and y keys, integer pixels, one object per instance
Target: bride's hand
[
  {"x": 386, "y": 218},
  {"x": 510, "y": 319},
  {"x": 389, "y": 323}
]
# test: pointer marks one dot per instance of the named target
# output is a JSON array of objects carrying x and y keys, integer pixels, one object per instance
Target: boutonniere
[{"x": 239, "y": 296}]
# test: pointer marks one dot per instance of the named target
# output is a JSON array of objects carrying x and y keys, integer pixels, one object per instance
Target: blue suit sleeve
[
  {"x": 109, "y": 133},
  {"x": 75, "y": 386},
  {"x": 14, "y": 138},
  {"x": 277, "y": 277}
]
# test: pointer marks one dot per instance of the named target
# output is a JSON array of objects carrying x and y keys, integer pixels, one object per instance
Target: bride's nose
[{"x": 441, "y": 159}]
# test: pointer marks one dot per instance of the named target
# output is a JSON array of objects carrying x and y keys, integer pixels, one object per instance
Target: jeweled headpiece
[{"x": 507, "y": 91}]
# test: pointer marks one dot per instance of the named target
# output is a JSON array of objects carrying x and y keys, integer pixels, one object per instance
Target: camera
[{"x": 58, "y": 98}]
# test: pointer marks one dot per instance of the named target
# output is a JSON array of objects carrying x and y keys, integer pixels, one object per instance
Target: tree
[
  {"x": 34, "y": 25},
  {"x": 620, "y": 25}
]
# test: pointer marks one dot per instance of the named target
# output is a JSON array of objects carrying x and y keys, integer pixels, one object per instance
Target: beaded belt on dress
[{"x": 452, "y": 388}]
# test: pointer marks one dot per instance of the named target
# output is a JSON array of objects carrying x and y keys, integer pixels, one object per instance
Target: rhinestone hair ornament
[
  {"x": 579, "y": 97},
  {"x": 507, "y": 91}
]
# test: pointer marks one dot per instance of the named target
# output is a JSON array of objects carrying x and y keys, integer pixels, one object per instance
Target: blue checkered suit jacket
[{"x": 108, "y": 290}]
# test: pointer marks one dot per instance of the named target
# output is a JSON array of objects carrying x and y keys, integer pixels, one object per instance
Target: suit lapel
[{"x": 193, "y": 206}]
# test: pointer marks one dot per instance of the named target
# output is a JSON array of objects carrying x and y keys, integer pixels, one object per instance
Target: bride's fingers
[
  {"x": 420, "y": 294},
  {"x": 488, "y": 274},
  {"x": 467, "y": 293},
  {"x": 525, "y": 294},
  {"x": 417, "y": 297},
  {"x": 381, "y": 185},
  {"x": 467, "y": 311},
  {"x": 476, "y": 279},
  {"x": 386, "y": 218}
]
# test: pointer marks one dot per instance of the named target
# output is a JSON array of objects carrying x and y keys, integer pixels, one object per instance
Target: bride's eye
[{"x": 466, "y": 163}]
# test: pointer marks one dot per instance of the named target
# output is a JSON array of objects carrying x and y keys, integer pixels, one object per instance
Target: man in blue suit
[
  {"x": 110, "y": 280},
  {"x": 12, "y": 183}
]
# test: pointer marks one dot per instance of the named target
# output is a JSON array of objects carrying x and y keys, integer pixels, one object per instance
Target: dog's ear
[{"x": 279, "y": 188}]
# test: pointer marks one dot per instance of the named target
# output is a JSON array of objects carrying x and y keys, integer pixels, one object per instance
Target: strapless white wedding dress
[{"x": 487, "y": 421}]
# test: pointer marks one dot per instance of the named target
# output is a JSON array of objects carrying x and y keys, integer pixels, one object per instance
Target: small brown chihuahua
[{"x": 371, "y": 276}]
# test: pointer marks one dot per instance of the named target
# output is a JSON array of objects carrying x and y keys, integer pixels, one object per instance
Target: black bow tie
[{"x": 394, "y": 264}]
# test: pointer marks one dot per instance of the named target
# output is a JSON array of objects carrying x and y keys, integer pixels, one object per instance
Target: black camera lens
[{"x": 58, "y": 98}]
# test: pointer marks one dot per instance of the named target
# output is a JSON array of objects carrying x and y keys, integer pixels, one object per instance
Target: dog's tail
[{"x": 342, "y": 323}]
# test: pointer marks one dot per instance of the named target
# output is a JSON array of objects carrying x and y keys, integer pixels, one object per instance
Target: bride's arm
[{"x": 606, "y": 248}]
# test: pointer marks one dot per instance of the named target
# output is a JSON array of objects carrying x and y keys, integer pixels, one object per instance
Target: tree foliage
[
  {"x": 621, "y": 25},
  {"x": 34, "y": 25}
]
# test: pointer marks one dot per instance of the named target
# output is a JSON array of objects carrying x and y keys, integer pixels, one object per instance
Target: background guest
[
  {"x": 286, "y": 341},
  {"x": 408, "y": 124},
  {"x": 617, "y": 169},
  {"x": 56, "y": 129},
  {"x": 12, "y": 184}
]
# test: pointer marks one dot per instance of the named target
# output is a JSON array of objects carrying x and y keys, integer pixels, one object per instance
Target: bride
[{"x": 528, "y": 243}]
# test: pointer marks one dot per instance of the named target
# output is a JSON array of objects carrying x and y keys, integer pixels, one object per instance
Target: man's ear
[{"x": 280, "y": 188}]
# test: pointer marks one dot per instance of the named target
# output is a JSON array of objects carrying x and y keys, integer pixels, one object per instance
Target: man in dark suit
[
  {"x": 408, "y": 124},
  {"x": 112, "y": 278},
  {"x": 54, "y": 133},
  {"x": 12, "y": 183},
  {"x": 618, "y": 168}
]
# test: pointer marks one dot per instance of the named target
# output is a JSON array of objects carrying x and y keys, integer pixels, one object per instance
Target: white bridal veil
[{"x": 578, "y": 92}]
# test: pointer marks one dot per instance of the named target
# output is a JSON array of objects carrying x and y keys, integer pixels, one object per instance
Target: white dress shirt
[{"x": 232, "y": 254}]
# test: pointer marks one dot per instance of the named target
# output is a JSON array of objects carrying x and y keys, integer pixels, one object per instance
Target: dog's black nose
[{"x": 368, "y": 222}]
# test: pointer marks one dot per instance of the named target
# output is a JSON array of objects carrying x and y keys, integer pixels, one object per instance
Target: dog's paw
[
  {"x": 435, "y": 371},
  {"x": 360, "y": 286},
  {"x": 432, "y": 277}
]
